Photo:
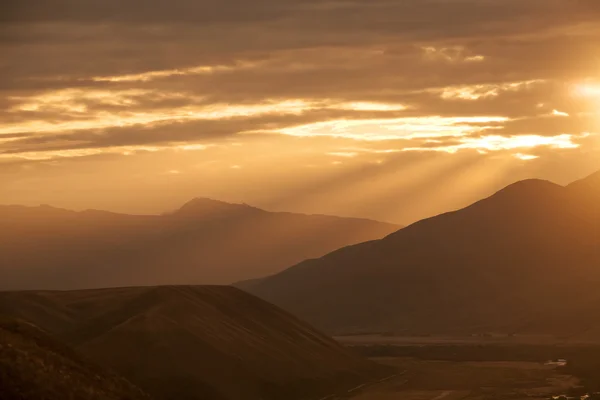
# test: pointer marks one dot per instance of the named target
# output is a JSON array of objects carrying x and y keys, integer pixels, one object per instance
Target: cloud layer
[{"x": 330, "y": 84}]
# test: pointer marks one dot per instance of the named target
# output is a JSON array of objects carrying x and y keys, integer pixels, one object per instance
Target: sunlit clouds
[
  {"x": 497, "y": 142},
  {"x": 123, "y": 150},
  {"x": 483, "y": 91},
  {"x": 525, "y": 157},
  {"x": 368, "y": 108},
  {"x": 452, "y": 54},
  {"x": 558, "y": 113},
  {"x": 395, "y": 128},
  {"x": 151, "y": 75},
  {"x": 588, "y": 90}
]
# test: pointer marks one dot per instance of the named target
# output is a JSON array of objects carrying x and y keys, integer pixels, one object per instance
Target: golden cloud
[
  {"x": 476, "y": 92},
  {"x": 197, "y": 70},
  {"x": 491, "y": 143},
  {"x": 395, "y": 128}
]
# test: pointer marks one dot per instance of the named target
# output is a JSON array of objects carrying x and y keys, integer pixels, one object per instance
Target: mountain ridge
[
  {"x": 204, "y": 242},
  {"x": 523, "y": 237},
  {"x": 227, "y": 343}
]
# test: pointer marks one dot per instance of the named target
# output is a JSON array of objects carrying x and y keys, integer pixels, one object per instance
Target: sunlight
[
  {"x": 123, "y": 150},
  {"x": 588, "y": 90},
  {"x": 483, "y": 91},
  {"x": 559, "y": 113},
  {"x": 72, "y": 101},
  {"x": 81, "y": 109},
  {"x": 497, "y": 142},
  {"x": 489, "y": 143},
  {"x": 525, "y": 157},
  {"x": 395, "y": 128},
  {"x": 370, "y": 106},
  {"x": 158, "y": 74}
]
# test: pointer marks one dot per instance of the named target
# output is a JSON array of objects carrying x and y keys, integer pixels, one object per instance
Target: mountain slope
[
  {"x": 526, "y": 259},
  {"x": 204, "y": 242},
  {"x": 206, "y": 342},
  {"x": 34, "y": 366}
]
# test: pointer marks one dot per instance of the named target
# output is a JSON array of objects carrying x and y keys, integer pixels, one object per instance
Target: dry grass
[
  {"x": 34, "y": 366},
  {"x": 203, "y": 342}
]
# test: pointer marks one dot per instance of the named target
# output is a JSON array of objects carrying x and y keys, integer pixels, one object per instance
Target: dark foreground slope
[
  {"x": 197, "y": 342},
  {"x": 204, "y": 242},
  {"x": 526, "y": 259},
  {"x": 33, "y": 366}
]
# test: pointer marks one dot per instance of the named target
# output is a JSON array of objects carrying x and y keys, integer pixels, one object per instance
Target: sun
[{"x": 588, "y": 90}]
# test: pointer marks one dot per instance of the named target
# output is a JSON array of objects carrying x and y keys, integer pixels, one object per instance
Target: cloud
[
  {"x": 482, "y": 91},
  {"x": 86, "y": 77}
]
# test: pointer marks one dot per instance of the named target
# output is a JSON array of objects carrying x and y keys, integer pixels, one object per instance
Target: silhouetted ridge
[
  {"x": 592, "y": 180},
  {"x": 204, "y": 207},
  {"x": 529, "y": 187},
  {"x": 588, "y": 187},
  {"x": 204, "y": 242},
  {"x": 496, "y": 265}
]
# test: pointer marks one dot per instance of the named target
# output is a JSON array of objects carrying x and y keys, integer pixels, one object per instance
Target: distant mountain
[
  {"x": 207, "y": 208},
  {"x": 204, "y": 242},
  {"x": 526, "y": 259},
  {"x": 33, "y": 366},
  {"x": 184, "y": 342}
]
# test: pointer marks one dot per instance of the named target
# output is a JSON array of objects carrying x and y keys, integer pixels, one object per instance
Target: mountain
[
  {"x": 588, "y": 187},
  {"x": 33, "y": 366},
  {"x": 526, "y": 259},
  {"x": 204, "y": 242},
  {"x": 196, "y": 342}
]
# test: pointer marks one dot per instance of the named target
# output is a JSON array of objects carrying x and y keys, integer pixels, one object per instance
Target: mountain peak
[
  {"x": 527, "y": 191},
  {"x": 530, "y": 184},
  {"x": 205, "y": 207},
  {"x": 587, "y": 189},
  {"x": 591, "y": 181}
]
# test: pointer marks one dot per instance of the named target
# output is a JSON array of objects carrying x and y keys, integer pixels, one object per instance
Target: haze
[
  {"x": 300, "y": 199},
  {"x": 377, "y": 109}
]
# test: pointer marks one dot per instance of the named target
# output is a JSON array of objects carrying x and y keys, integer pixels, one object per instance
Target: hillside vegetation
[
  {"x": 33, "y": 366},
  {"x": 209, "y": 342}
]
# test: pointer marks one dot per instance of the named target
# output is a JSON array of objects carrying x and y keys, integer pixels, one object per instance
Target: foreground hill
[
  {"x": 34, "y": 366},
  {"x": 526, "y": 259},
  {"x": 184, "y": 342},
  {"x": 205, "y": 242}
]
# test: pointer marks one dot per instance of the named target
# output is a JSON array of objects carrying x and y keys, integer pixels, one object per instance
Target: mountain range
[
  {"x": 524, "y": 260},
  {"x": 204, "y": 242},
  {"x": 183, "y": 342}
]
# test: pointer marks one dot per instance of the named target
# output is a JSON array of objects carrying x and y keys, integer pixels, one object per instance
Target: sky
[{"x": 388, "y": 109}]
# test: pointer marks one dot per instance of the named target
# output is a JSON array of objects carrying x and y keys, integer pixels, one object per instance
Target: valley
[
  {"x": 479, "y": 368},
  {"x": 444, "y": 380}
]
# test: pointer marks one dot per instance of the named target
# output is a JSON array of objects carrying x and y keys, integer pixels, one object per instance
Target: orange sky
[{"x": 394, "y": 110}]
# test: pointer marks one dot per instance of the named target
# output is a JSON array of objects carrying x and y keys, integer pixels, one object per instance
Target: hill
[
  {"x": 204, "y": 242},
  {"x": 188, "y": 342},
  {"x": 34, "y": 366},
  {"x": 526, "y": 259}
]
